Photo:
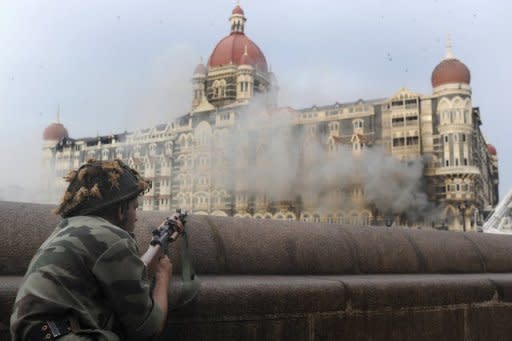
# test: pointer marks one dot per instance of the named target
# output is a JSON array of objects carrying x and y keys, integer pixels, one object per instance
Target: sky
[{"x": 111, "y": 66}]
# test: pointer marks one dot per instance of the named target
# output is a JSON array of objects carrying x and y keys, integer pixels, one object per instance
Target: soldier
[{"x": 87, "y": 282}]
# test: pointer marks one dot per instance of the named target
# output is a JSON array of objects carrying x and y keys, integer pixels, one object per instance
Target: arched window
[
  {"x": 354, "y": 218},
  {"x": 222, "y": 88},
  {"x": 168, "y": 147},
  {"x": 365, "y": 218},
  {"x": 203, "y": 133},
  {"x": 152, "y": 149},
  {"x": 215, "y": 89},
  {"x": 119, "y": 153},
  {"x": 357, "y": 124},
  {"x": 334, "y": 128}
]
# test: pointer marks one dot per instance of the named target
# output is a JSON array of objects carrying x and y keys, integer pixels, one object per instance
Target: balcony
[{"x": 470, "y": 170}]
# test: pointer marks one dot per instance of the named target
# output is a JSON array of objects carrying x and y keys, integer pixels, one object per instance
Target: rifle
[{"x": 167, "y": 232}]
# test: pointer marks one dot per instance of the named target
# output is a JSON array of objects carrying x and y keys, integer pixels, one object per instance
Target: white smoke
[{"x": 267, "y": 154}]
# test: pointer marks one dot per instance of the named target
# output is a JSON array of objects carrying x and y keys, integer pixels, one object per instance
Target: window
[
  {"x": 397, "y": 121},
  {"x": 446, "y": 138},
  {"x": 358, "y": 124},
  {"x": 152, "y": 149},
  {"x": 411, "y": 120},
  {"x": 333, "y": 127},
  {"x": 447, "y": 163},
  {"x": 398, "y": 142},
  {"x": 412, "y": 140},
  {"x": 465, "y": 161},
  {"x": 456, "y": 161},
  {"x": 463, "y": 137}
]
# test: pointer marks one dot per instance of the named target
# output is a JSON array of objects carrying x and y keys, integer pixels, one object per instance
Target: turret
[
  {"x": 237, "y": 20},
  {"x": 245, "y": 77},
  {"x": 198, "y": 84}
]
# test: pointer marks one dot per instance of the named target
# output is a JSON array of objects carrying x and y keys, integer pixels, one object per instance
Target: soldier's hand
[
  {"x": 179, "y": 225},
  {"x": 163, "y": 268}
]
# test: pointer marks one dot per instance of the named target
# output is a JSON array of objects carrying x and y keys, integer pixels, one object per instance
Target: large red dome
[
  {"x": 450, "y": 71},
  {"x": 231, "y": 49},
  {"x": 55, "y": 132}
]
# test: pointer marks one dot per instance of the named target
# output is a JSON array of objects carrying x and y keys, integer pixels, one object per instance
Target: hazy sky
[{"x": 121, "y": 65}]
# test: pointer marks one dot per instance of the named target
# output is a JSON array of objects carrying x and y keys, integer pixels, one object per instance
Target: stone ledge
[
  {"x": 281, "y": 304},
  {"x": 269, "y": 295}
]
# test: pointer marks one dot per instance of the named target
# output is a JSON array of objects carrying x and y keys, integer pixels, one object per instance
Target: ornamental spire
[{"x": 449, "y": 54}]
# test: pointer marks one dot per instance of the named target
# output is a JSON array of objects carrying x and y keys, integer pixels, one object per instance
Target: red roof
[
  {"x": 491, "y": 149},
  {"x": 238, "y": 10},
  {"x": 450, "y": 71},
  {"x": 231, "y": 49},
  {"x": 55, "y": 132}
]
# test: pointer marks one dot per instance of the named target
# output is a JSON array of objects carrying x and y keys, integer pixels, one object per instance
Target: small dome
[
  {"x": 246, "y": 60},
  {"x": 238, "y": 10},
  {"x": 450, "y": 71},
  {"x": 55, "y": 132},
  {"x": 200, "y": 69},
  {"x": 491, "y": 149}
]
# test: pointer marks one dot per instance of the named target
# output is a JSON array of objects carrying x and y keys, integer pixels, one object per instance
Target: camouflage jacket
[{"x": 88, "y": 270}]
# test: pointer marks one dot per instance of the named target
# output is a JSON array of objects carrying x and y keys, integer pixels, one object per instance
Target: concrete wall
[{"x": 277, "y": 280}]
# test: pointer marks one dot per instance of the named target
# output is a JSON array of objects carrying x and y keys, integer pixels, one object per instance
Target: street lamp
[
  {"x": 388, "y": 220},
  {"x": 462, "y": 209}
]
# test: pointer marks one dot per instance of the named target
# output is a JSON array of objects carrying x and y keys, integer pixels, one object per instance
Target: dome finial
[{"x": 449, "y": 54}]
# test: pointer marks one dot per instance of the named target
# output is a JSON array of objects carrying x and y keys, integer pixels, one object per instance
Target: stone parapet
[{"x": 280, "y": 280}]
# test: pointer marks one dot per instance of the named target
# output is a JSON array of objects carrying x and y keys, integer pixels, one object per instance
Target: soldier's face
[{"x": 130, "y": 216}]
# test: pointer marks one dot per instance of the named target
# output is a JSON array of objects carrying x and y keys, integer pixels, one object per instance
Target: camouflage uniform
[{"x": 88, "y": 271}]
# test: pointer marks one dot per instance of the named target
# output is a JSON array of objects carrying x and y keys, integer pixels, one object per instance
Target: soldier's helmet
[{"x": 99, "y": 184}]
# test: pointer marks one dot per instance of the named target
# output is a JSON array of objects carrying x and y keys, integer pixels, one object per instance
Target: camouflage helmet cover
[{"x": 99, "y": 184}]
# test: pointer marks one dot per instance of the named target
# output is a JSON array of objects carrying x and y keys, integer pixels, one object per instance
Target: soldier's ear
[{"x": 120, "y": 213}]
